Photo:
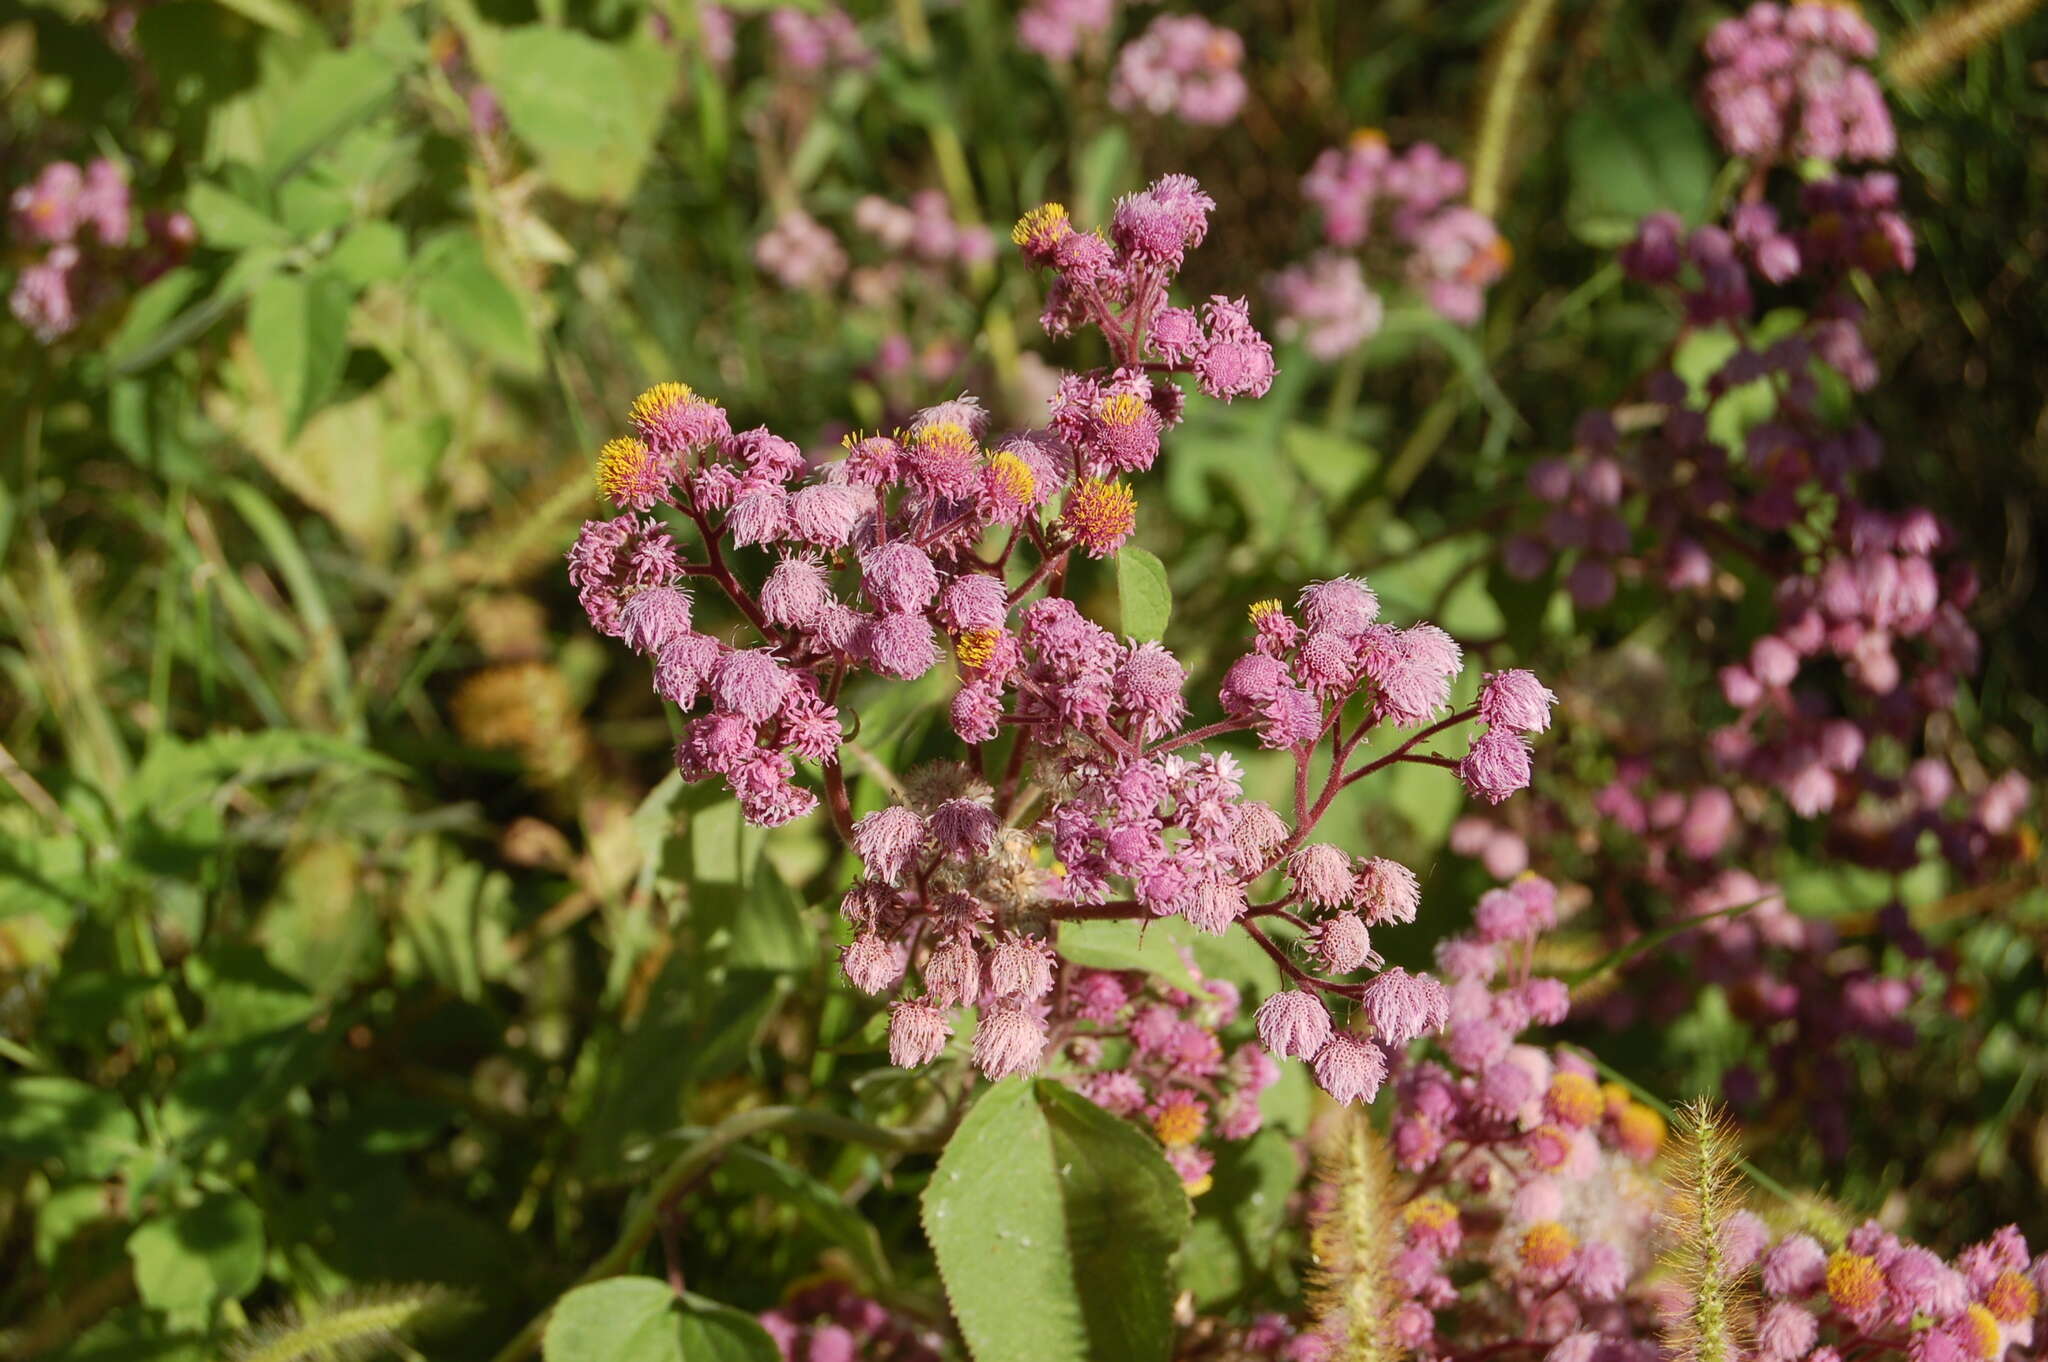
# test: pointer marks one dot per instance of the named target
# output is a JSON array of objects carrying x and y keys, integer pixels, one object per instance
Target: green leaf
[
  {"x": 1103, "y": 165},
  {"x": 1153, "y": 947},
  {"x": 231, "y": 223},
  {"x": 625, "y": 1319},
  {"x": 1238, "y": 1220},
  {"x": 152, "y": 310},
  {"x": 1631, "y": 155},
  {"x": 298, "y": 324},
  {"x": 639, "y": 1319},
  {"x": 371, "y": 253},
  {"x": 188, "y": 1260},
  {"x": 88, "y": 1129},
  {"x": 588, "y": 110},
  {"x": 335, "y": 92},
  {"x": 819, "y": 1204},
  {"x": 1055, "y": 1226},
  {"x": 459, "y": 290},
  {"x": 768, "y": 931},
  {"x": 1143, "y": 594}
]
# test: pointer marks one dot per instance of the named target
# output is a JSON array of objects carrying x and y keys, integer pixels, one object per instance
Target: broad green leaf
[
  {"x": 1230, "y": 1245},
  {"x": 459, "y": 290},
  {"x": 1055, "y": 1226},
  {"x": 588, "y": 110},
  {"x": 371, "y": 253},
  {"x": 1157, "y": 947},
  {"x": 333, "y": 94},
  {"x": 1143, "y": 594},
  {"x": 625, "y": 1319},
  {"x": 1631, "y": 155},
  {"x": 639, "y": 1319},
  {"x": 152, "y": 310},
  {"x": 229, "y": 222},
  {"x": 298, "y": 324},
  {"x": 190, "y": 1259},
  {"x": 768, "y": 928},
  {"x": 87, "y": 1129}
]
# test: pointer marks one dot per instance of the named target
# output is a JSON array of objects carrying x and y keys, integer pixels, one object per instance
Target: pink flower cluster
[
  {"x": 924, "y": 230},
  {"x": 1407, "y": 211},
  {"x": 1120, "y": 286},
  {"x": 1880, "y": 1295},
  {"x": 1149, "y": 1051},
  {"x": 1057, "y": 29},
  {"x": 829, "y": 1321},
  {"x": 1184, "y": 66},
  {"x": 83, "y": 223},
  {"x": 808, "y": 41},
  {"x": 1325, "y": 303},
  {"x": 1787, "y": 81},
  {"x": 1742, "y": 480},
  {"x": 800, "y": 253},
  {"x": 1140, "y": 831}
]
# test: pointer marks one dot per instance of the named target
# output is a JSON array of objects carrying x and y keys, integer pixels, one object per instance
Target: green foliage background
[{"x": 353, "y": 931}]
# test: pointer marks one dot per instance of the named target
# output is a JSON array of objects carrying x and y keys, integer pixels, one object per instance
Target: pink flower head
[
  {"x": 1796, "y": 1268},
  {"x": 1515, "y": 699},
  {"x": 1099, "y": 516},
  {"x": 1294, "y": 1023},
  {"x": 952, "y": 973},
  {"x": 759, "y": 517},
  {"x": 899, "y": 645},
  {"x": 1020, "y": 968},
  {"x": 1350, "y": 1069},
  {"x": 1149, "y": 683},
  {"x": 887, "y": 840},
  {"x": 1237, "y": 361},
  {"x": 1386, "y": 891},
  {"x": 1786, "y": 1333},
  {"x": 683, "y": 667},
  {"x": 1402, "y": 1006},
  {"x": 917, "y": 1033},
  {"x": 1496, "y": 766},
  {"x": 674, "y": 420},
  {"x": 654, "y": 617},
  {"x": 1323, "y": 874},
  {"x": 1345, "y": 606},
  {"x": 974, "y": 600},
  {"x": 752, "y": 684},
  {"x": 898, "y": 577},
  {"x": 1007, "y": 1041},
  {"x": 1343, "y": 944},
  {"x": 797, "y": 592},
  {"x": 964, "y": 827},
  {"x": 870, "y": 963}
]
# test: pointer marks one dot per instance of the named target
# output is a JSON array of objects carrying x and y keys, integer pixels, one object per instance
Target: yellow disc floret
[
  {"x": 1855, "y": 1282},
  {"x": 1042, "y": 227},
  {"x": 1179, "y": 1123},
  {"x": 1428, "y": 1213},
  {"x": 975, "y": 647},
  {"x": 1546, "y": 1246},
  {"x": 650, "y": 406},
  {"x": 1100, "y": 515},
  {"x": 622, "y": 467},
  {"x": 1574, "y": 1099},
  {"x": 1014, "y": 477},
  {"x": 1977, "y": 1330},
  {"x": 2012, "y": 1299},
  {"x": 1122, "y": 409},
  {"x": 1260, "y": 609},
  {"x": 1639, "y": 1130}
]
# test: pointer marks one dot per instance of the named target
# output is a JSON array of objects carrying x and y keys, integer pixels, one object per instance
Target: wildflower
[
  {"x": 802, "y": 255},
  {"x": 898, "y": 577},
  {"x": 888, "y": 839},
  {"x": 899, "y": 645},
  {"x": 1007, "y": 1041},
  {"x": 1099, "y": 516},
  {"x": 1179, "y": 1121},
  {"x": 1010, "y": 489},
  {"x": 672, "y": 419},
  {"x": 1402, "y": 1006},
  {"x": 2011, "y": 1298},
  {"x": 1344, "y": 606},
  {"x": 1342, "y": 943},
  {"x": 1639, "y": 1130},
  {"x": 1125, "y": 433},
  {"x": 917, "y": 1033},
  {"x": 1573, "y": 1099},
  {"x": 942, "y": 459},
  {"x": 1977, "y": 1330},
  {"x": 1855, "y": 1284},
  {"x": 1326, "y": 304},
  {"x": 1350, "y": 1069},
  {"x": 1386, "y": 891},
  {"x": 1786, "y": 1333},
  {"x": 1796, "y": 1267},
  {"x": 797, "y": 592},
  {"x": 1236, "y": 361},
  {"x": 1323, "y": 874},
  {"x": 1496, "y": 766},
  {"x": 631, "y": 474},
  {"x": 1020, "y": 968},
  {"x": 870, "y": 963},
  {"x": 1039, "y": 231},
  {"x": 1545, "y": 1249},
  {"x": 1183, "y": 65},
  {"x": 654, "y": 617},
  {"x": 1516, "y": 700},
  {"x": 1291, "y": 1022}
]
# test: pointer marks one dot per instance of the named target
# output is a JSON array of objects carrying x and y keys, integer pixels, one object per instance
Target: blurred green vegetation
[{"x": 353, "y": 927}]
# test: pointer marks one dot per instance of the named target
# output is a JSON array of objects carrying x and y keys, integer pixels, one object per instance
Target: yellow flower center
[
  {"x": 1179, "y": 1123},
  {"x": 1854, "y": 1281},
  {"x": 975, "y": 647},
  {"x": 2012, "y": 1299},
  {"x": 1041, "y": 226},
  {"x": 620, "y": 464},
  {"x": 1014, "y": 476},
  {"x": 1546, "y": 1246},
  {"x": 658, "y": 401}
]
